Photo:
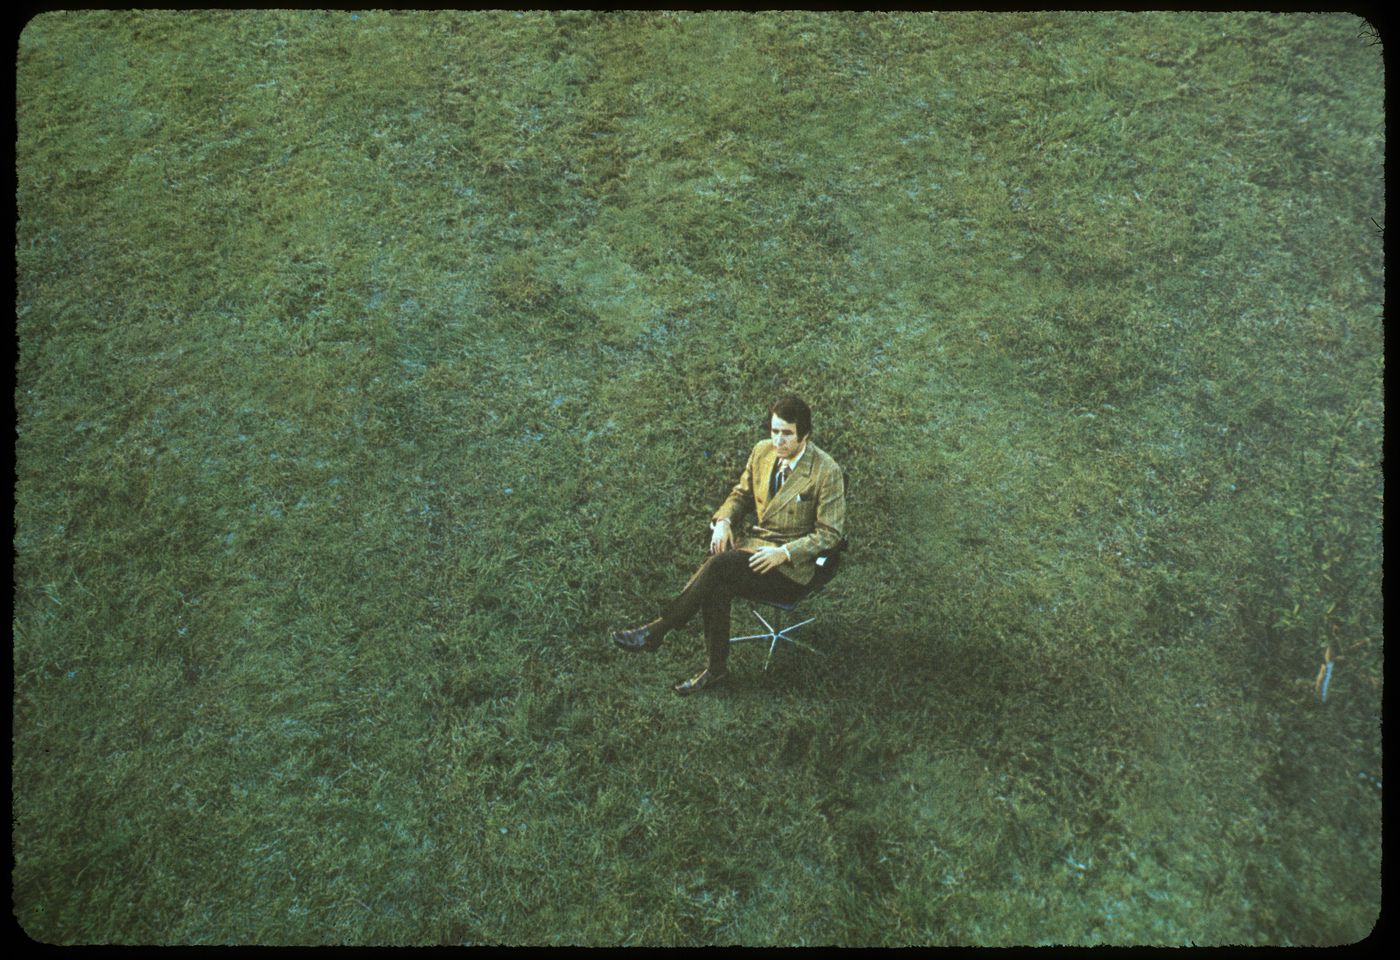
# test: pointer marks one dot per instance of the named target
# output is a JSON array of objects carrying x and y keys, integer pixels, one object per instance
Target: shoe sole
[
  {"x": 644, "y": 648},
  {"x": 686, "y": 691}
]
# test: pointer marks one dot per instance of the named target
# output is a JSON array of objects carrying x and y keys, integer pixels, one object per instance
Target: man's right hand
[{"x": 721, "y": 538}]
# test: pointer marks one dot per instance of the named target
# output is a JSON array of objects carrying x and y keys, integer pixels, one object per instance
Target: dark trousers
[{"x": 714, "y": 586}]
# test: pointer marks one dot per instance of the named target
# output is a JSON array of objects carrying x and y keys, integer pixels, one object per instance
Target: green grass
[{"x": 373, "y": 367}]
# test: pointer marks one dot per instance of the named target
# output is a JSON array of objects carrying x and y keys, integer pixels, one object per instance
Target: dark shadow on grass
[{"x": 884, "y": 671}]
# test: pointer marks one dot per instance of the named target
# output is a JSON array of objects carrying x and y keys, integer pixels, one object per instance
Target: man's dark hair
[{"x": 795, "y": 411}]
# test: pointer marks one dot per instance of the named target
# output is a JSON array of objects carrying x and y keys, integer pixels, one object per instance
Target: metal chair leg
[{"x": 774, "y": 635}]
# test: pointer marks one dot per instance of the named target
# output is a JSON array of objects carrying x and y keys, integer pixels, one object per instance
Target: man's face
[{"x": 784, "y": 436}]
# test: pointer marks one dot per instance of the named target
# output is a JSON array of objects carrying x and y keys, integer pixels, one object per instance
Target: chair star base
[{"x": 773, "y": 636}]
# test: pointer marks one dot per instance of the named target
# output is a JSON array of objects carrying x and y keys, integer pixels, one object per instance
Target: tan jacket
[{"x": 807, "y": 515}]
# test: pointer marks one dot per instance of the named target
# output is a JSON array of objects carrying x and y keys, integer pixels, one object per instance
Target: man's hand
[
  {"x": 765, "y": 559},
  {"x": 721, "y": 538}
]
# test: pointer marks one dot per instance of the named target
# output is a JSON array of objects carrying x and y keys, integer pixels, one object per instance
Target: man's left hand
[{"x": 765, "y": 559}]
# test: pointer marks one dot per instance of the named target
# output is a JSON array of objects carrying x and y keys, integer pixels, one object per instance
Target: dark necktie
[{"x": 780, "y": 474}]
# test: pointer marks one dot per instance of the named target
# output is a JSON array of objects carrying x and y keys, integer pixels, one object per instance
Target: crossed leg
[{"x": 713, "y": 588}]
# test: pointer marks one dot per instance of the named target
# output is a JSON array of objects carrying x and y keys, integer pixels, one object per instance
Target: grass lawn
[{"x": 373, "y": 366}]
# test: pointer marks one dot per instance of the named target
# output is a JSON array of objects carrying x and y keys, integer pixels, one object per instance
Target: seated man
[{"x": 799, "y": 501}]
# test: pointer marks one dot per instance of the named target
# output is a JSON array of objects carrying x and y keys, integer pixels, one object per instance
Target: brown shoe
[
  {"x": 705, "y": 678},
  {"x": 644, "y": 638}
]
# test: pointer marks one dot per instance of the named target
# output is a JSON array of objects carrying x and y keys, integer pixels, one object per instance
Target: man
[{"x": 798, "y": 497}]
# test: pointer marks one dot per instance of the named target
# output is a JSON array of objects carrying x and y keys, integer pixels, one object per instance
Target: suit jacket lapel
[
  {"x": 763, "y": 469},
  {"x": 794, "y": 481}
]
